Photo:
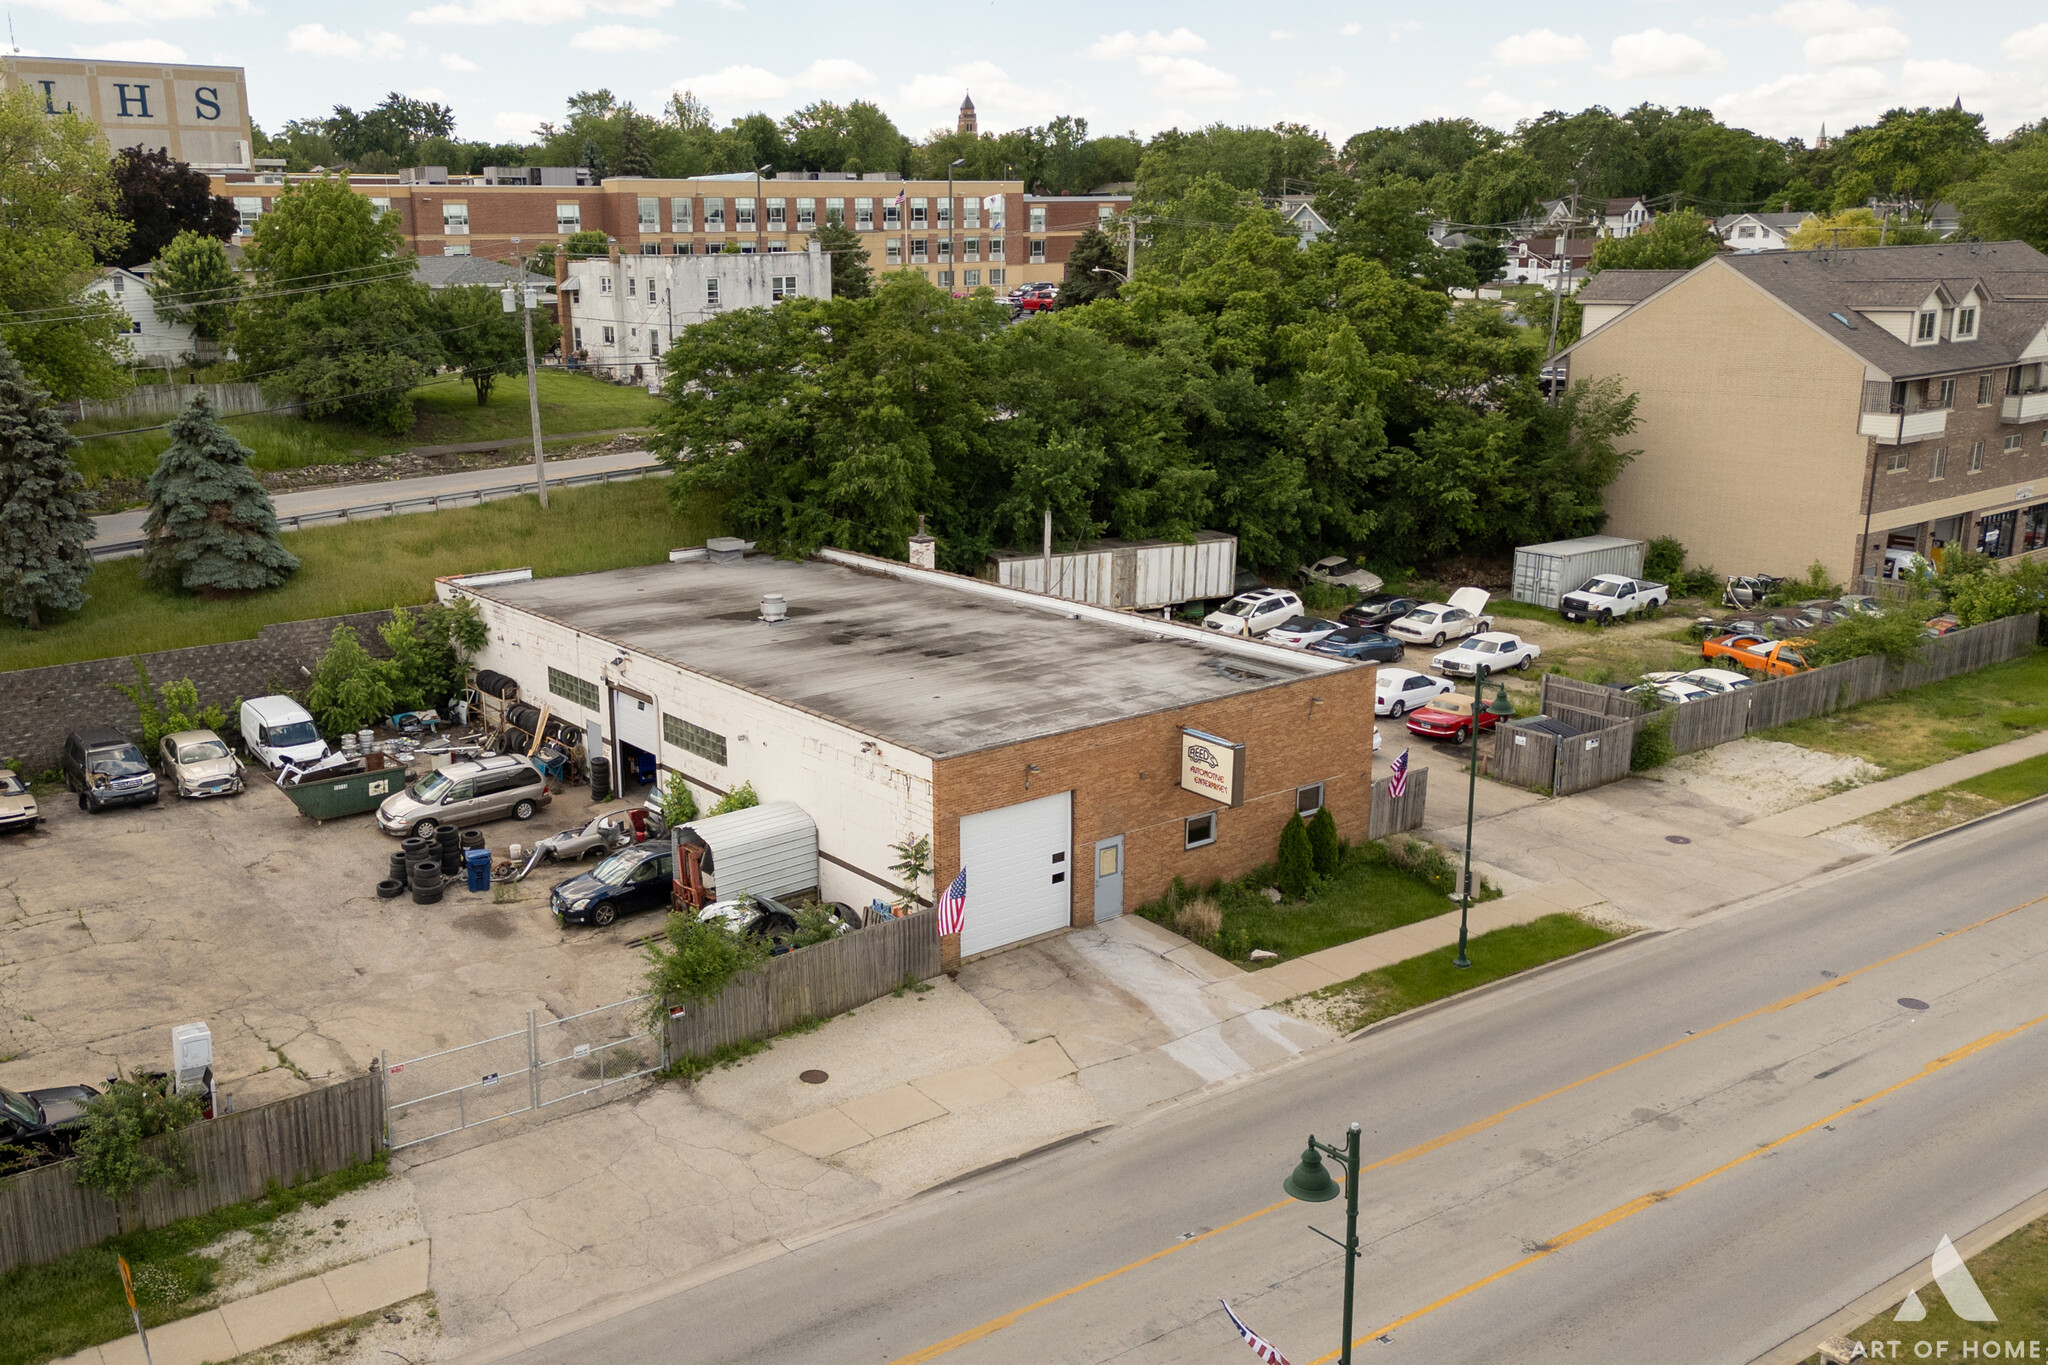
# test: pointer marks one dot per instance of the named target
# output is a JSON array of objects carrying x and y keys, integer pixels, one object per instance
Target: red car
[
  {"x": 1036, "y": 298},
  {"x": 1448, "y": 716}
]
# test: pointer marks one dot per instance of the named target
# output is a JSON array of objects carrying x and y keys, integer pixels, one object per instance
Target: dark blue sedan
[
  {"x": 632, "y": 880},
  {"x": 1362, "y": 643}
]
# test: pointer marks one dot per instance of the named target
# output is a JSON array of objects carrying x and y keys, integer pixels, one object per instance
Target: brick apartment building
[
  {"x": 986, "y": 233},
  {"x": 1831, "y": 405}
]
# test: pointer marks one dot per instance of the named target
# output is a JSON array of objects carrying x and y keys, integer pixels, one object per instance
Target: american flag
[
  {"x": 1263, "y": 1349},
  {"x": 900, "y": 193},
  {"x": 1397, "y": 776},
  {"x": 953, "y": 905}
]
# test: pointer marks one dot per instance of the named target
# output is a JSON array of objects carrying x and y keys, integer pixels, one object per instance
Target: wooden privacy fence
[
  {"x": 159, "y": 400},
  {"x": 815, "y": 983},
  {"x": 45, "y": 1213},
  {"x": 1524, "y": 758},
  {"x": 1393, "y": 816}
]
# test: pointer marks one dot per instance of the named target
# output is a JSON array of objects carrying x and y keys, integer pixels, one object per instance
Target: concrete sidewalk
[
  {"x": 1806, "y": 821},
  {"x": 276, "y": 1315}
]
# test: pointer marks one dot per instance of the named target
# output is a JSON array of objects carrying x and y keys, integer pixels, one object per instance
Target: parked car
[
  {"x": 1863, "y": 602},
  {"x": 1709, "y": 679},
  {"x": 466, "y": 794},
  {"x": 1299, "y": 632},
  {"x": 753, "y": 916},
  {"x": 1449, "y": 717},
  {"x": 1362, "y": 643},
  {"x": 1755, "y": 652},
  {"x": 1748, "y": 590},
  {"x": 1825, "y": 611},
  {"x": 1432, "y": 623},
  {"x": 1608, "y": 597},
  {"x": 199, "y": 763},
  {"x": 1038, "y": 298},
  {"x": 45, "y": 1120},
  {"x": 630, "y": 881},
  {"x": 1493, "y": 650},
  {"x": 277, "y": 731},
  {"x": 1397, "y": 691},
  {"x": 607, "y": 833},
  {"x": 1942, "y": 624},
  {"x": 1675, "y": 690},
  {"x": 17, "y": 807},
  {"x": 1342, "y": 571},
  {"x": 106, "y": 769},
  {"x": 1378, "y": 611},
  {"x": 1254, "y": 613}
]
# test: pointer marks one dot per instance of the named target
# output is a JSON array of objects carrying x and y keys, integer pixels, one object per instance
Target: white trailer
[
  {"x": 1135, "y": 575},
  {"x": 1545, "y": 573}
]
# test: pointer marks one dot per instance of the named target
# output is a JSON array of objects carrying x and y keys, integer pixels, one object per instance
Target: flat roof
[{"x": 942, "y": 668}]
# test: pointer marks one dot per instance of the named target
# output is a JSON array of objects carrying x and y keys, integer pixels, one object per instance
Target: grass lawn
[
  {"x": 2014, "y": 1277},
  {"x": 1959, "y": 715},
  {"x": 446, "y": 413},
  {"x": 63, "y": 1306},
  {"x": 1392, "y": 990},
  {"x": 368, "y": 565},
  {"x": 1966, "y": 800}
]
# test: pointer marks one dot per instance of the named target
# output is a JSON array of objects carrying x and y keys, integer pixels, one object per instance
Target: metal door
[
  {"x": 1109, "y": 879},
  {"x": 1017, "y": 872}
]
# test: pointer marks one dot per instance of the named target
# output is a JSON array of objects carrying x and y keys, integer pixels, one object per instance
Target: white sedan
[
  {"x": 1299, "y": 632},
  {"x": 1494, "y": 651},
  {"x": 1706, "y": 679},
  {"x": 1432, "y": 623},
  {"x": 1400, "y": 690}
]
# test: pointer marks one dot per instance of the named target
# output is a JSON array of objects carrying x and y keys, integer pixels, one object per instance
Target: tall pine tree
[
  {"x": 44, "y": 508},
  {"x": 211, "y": 526}
]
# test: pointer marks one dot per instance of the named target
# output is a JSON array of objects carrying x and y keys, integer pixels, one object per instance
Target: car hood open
[{"x": 1473, "y": 600}]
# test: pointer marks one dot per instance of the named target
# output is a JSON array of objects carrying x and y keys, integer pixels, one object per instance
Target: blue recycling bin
[{"x": 479, "y": 861}]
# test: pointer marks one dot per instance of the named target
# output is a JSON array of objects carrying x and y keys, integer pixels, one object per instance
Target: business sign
[{"x": 1212, "y": 766}]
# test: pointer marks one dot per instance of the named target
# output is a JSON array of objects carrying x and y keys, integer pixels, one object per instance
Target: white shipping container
[
  {"x": 1545, "y": 573},
  {"x": 1141, "y": 575}
]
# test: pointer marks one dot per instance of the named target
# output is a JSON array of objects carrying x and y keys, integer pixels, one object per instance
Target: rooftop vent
[
  {"x": 774, "y": 607},
  {"x": 725, "y": 549}
]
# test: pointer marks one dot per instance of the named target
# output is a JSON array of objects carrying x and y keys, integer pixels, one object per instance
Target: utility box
[
  {"x": 1545, "y": 573},
  {"x": 1134, "y": 575},
  {"x": 191, "y": 1058}
]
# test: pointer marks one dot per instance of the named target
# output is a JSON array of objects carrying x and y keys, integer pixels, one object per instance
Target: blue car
[
  {"x": 631, "y": 880},
  {"x": 1362, "y": 643}
]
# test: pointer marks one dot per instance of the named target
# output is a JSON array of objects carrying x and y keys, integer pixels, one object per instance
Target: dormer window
[
  {"x": 1966, "y": 323},
  {"x": 1925, "y": 331}
]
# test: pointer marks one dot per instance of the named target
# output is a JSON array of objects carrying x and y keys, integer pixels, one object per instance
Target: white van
[{"x": 277, "y": 731}]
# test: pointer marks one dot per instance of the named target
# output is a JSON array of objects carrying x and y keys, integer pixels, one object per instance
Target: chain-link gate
[{"x": 548, "y": 1061}]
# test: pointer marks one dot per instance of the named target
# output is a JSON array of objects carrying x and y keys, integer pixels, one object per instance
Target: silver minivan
[{"x": 465, "y": 794}]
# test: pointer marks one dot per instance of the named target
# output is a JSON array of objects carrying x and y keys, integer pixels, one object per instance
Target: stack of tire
[
  {"x": 417, "y": 864},
  {"x": 448, "y": 848}
]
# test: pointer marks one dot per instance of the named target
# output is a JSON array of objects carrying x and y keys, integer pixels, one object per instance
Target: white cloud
[
  {"x": 1282, "y": 35},
  {"x": 317, "y": 40},
  {"x": 1856, "y": 45},
  {"x": 932, "y": 99},
  {"x": 735, "y": 85},
  {"x": 139, "y": 11},
  {"x": 485, "y": 12},
  {"x": 1186, "y": 76},
  {"x": 455, "y": 61},
  {"x": 1504, "y": 110},
  {"x": 752, "y": 85},
  {"x": 384, "y": 45},
  {"x": 1394, "y": 31},
  {"x": 134, "y": 50},
  {"x": 1350, "y": 30},
  {"x": 518, "y": 125},
  {"x": 1333, "y": 79},
  {"x": 835, "y": 73},
  {"x": 1653, "y": 52},
  {"x": 1112, "y": 47},
  {"x": 2028, "y": 45},
  {"x": 620, "y": 38},
  {"x": 1540, "y": 47},
  {"x": 432, "y": 94},
  {"x": 1938, "y": 82},
  {"x": 1831, "y": 16},
  {"x": 1797, "y": 104}
]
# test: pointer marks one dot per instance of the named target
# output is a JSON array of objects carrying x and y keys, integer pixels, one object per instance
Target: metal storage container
[
  {"x": 1545, "y": 573},
  {"x": 1135, "y": 575},
  {"x": 770, "y": 849}
]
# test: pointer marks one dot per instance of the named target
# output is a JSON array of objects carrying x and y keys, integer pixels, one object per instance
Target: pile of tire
[
  {"x": 417, "y": 865},
  {"x": 426, "y": 881},
  {"x": 448, "y": 848}
]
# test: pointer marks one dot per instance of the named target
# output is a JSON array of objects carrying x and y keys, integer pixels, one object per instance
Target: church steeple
[{"x": 967, "y": 120}]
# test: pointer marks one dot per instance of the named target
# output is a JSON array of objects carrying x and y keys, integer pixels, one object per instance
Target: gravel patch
[
  {"x": 349, "y": 1228},
  {"x": 1762, "y": 777},
  {"x": 408, "y": 1332}
]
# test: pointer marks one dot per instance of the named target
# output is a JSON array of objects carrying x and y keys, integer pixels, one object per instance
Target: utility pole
[
  {"x": 1563, "y": 248},
  {"x": 1130, "y": 249},
  {"x": 525, "y": 298}
]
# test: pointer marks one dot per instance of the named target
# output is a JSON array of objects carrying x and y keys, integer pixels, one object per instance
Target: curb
[{"x": 1978, "y": 820}]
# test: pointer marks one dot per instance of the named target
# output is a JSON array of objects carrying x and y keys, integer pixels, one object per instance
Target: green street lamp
[
  {"x": 1499, "y": 707},
  {"x": 1311, "y": 1184}
]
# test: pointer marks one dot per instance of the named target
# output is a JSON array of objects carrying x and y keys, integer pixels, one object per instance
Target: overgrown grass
[
  {"x": 1392, "y": 990},
  {"x": 2012, "y": 1273},
  {"x": 63, "y": 1306},
  {"x": 445, "y": 414},
  {"x": 1529, "y": 611},
  {"x": 2012, "y": 784},
  {"x": 368, "y": 565},
  {"x": 691, "y": 1069},
  {"x": 1960, "y": 715},
  {"x": 1962, "y": 801}
]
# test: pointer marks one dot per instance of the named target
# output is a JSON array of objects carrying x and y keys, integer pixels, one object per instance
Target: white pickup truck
[{"x": 1609, "y": 597}]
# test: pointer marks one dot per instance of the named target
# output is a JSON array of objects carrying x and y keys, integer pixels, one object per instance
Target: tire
[
  {"x": 1400, "y": 653},
  {"x": 426, "y": 895},
  {"x": 1523, "y": 666},
  {"x": 524, "y": 810},
  {"x": 424, "y": 829},
  {"x": 472, "y": 838},
  {"x": 389, "y": 889},
  {"x": 425, "y": 872},
  {"x": 1398, "y": 710},
  {"x": 1439, "y": 639},
  {"x": 1606, "y": 619},
  {"x": 83, "y": 804},
  {"x": 604, "y": 914},
  {"x": 414, "y": 848},
  {"x": 1464, "y": 735}
]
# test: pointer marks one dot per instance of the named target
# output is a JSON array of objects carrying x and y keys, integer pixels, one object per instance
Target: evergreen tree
[
  {"x": 1322, "y": 842},
  {"x": 44, "y": 521},
  {"x": 634, "y": 159},
  {"x": 851, "y": 277},
  {"x": 211, "y": 526},
  {"x": 1093, "y": 250},
  {"x": 1297, "y": 860}
]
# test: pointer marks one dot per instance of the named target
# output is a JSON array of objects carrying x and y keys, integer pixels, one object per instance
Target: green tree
[
  {"x": 1678, "y": 240},
  {"x": 160, "y": 199},
  {"x": 481, "y": 340},
  {"x": 693, "y": 961},
  {"x": 589, "y": 242},
  {"x": 389, "y": 135},
  {"x": 430, "y": 650},
  {"x": 211, "y": 527},
  {"x": 195, "y": 285},
  {"x": 1389, "y": 223},
  {"x": 678, "y": 802},
  {"x": 741, "y": 797},
  {"x": 61, "y": 218},
  {"x": 1093, "y": 251},
  {"x": 1916, "y": 155},
  {"x": 634, "y": 157},
  {"x": 351, "y": 687},
  {"x": 1896, "y": 634},
  {"x": 45, "y": 512},
  {"x": 1322, "y": 842},
  {"x": 127, "y": 1141},
  {"x": 851, "y": 276},
  {"x": 2009, "y": 202},
  {"x": 1295, "y": 866}
]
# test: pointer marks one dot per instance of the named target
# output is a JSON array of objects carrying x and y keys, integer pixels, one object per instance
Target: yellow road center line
[{"x": 997, "y": 1324}]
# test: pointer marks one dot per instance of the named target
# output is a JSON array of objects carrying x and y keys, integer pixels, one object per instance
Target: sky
[{"x": 1783, "y": 69}]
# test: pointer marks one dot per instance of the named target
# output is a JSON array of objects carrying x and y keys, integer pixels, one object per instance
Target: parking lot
[{"x": 243, "y": 914}]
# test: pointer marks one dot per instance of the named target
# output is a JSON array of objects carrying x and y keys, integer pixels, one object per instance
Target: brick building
[
  {"x": 1831, "y": 405},
  {"x": 1074, "y": 760}
]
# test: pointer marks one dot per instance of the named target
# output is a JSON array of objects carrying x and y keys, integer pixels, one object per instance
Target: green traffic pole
[
  {"x": 1471, "y": 802},
  {"x": 1350, "y": 1237}
]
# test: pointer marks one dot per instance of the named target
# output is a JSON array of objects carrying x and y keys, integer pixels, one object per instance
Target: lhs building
[
  {"x": 200, "y": 114},
  {"x": 1073, "y": 759}
]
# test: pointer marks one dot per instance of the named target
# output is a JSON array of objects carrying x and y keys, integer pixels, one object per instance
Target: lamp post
[
  {"x": 952, "y": 230},
  {"x": 760, "y": 207},
  {"x": 1311, "y": 1184},
  {"x": 1498, "y": 707}
]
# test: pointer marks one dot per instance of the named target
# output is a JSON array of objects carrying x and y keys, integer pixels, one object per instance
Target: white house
[
  {"x": 152, "y": 339},
  {"x": 1624, "y": 217},
  {"x": 619, "y": 314},
  {"x": 1758, "y": 231}
]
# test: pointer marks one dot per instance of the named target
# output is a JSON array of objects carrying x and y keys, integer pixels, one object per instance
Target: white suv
[{"x": 1254, "y": 613}]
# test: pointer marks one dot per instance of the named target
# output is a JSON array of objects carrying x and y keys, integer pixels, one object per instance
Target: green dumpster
[{"x": 328, "y": 798}]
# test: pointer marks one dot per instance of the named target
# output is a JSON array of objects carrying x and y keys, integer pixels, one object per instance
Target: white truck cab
[{"x": 277, "y": 731}]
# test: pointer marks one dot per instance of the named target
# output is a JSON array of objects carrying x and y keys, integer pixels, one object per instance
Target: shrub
[
  {"x": 1296, "y": 863},
  {"x": 1652, "y": 748},
  {"x": 1703, "y": 581},
  {"x": 176, "y": 707},
  {"x": 678, "y": 802},
  {"x": 351, "y": 688},
  {"x": 110, "y": 1148},
  {"x": 913, "y": 864},
  {"x": 693, "y": 961},
  {"x": 1322, "y": 842},
  {"x": 1664, "y": 560},
  {"x": 1815, "y": 584},
  {"x": 430, "y": 650},
  {"x": 1425, "y": 861},
  {"x": 741, "y": 797},
  {"x": 1894, "y": 634},
  {"x": 1200, "y": 920},
  {"x": 1326, "y": 599},
  {"x": 814, "y": 924}
]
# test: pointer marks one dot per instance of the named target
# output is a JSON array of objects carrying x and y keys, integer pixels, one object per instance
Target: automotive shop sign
[{"x": 1213, "y": 767}]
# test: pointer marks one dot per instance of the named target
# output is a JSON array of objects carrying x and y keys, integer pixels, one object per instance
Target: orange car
[{"x": 1757, "y": 653}]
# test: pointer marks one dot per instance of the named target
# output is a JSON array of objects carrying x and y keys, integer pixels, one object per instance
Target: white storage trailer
[
  {"x": 1135, "y": 575},
  {"x": 1544, "y": 573},
  {"x": 770, "y": 849}
]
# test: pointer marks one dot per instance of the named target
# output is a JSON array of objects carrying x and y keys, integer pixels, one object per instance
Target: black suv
[
  {"x": 106, "y": 769},
  {"x": 43, "y": 1120}
]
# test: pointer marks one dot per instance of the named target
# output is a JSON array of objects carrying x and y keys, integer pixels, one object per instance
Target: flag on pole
[
  {"x": 899, "y": 195},
  {"x": 1263, "y": 1349},
  {"x": 953, "y": 905},
  {"x": 1397, "y": 776}
]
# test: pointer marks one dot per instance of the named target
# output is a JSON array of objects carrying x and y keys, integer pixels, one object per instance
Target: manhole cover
[
  {"x": 1676, "y": 839},
  {"x": 817, "y": 1077},
  {"x": 1910, "y": 1003}
]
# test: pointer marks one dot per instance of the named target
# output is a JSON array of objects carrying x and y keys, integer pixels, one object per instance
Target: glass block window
[
  {"x": 694, "y": 739},
  {"x": 569, "y": 687}
]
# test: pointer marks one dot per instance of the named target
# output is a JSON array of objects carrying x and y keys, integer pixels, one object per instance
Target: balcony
[
  {"x": 2024, "y": 407},
  {"x": 1904, "y": 428}
]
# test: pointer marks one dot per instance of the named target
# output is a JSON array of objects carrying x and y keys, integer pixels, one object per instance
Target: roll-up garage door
[
  {"x": 1019, "y": 874},
  {"x": 637, "y": 722}
]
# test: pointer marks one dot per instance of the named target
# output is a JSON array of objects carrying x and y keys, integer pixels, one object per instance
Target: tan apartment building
[
  {"x": 984, "y": 233},
  {"x": 200, "y": 114},
  {"x": 1796, "y": 406}
]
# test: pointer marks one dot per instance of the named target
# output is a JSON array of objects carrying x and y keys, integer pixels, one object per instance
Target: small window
[
  {"x": 711, "y": 292},
  {"x": 1308, "y": 800},
  {"x": 1926, "y": 328},
  {"x": 611, "y": 336},
  {"x": 568, "y": 218},
  {"x": 1945, "y": 394},
  {"x": 1037, "y": 251},
  {"x": 604, "y": 284},
  {"x": 714, "y": 214},
  {"x": 1843, "y": 318},
  {"x": 970, "y": 279},
  {"x": 776, "y": 214},
  {"x": 1966, "y": 323},
  {"x": 1201, "y": 829},
  {"x": 1895, "y": 460},
  {"x": 455, "y": 219},
  {"x": 1983, "y": 390},
  {"x": 1940, "y": 468},
  {"x": 679, "y": 215},
  {"x": 650, "y": 249},
  {"x": 743, "y": 212},
  {"x": 2012, "y": 443},
  {"x": 1108, "y": 860},
  {"x": 917, "y": 213},
  {"x": 694, "y": 739},
  {"x": 995, "y": 280},
  {"x": 649, "y": 213},
  {"x": 1038, "y": 218},
  {"x": 782, "y": 287},
  {"x": 1976, "y": 457}
]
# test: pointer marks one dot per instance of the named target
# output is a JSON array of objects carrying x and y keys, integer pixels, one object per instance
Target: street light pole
[
  {"x": 760, "y": 208},
  {"x": 952, "y": 231},
  {"x": 523, "y": 297},
  {"x": 1311, "y": 1184},
  {"x": 1471, "y": 803}
]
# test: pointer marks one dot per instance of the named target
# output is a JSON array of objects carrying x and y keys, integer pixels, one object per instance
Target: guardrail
[{"x": 425, "y": 502}]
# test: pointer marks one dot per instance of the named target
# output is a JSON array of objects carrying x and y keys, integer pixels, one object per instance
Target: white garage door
[
  {"x": 1019, "y": 878},
  {"x": 638, "y": 724}
]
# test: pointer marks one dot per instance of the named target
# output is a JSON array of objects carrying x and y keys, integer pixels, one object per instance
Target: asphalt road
[{"x": 1692, "y": 1148}]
